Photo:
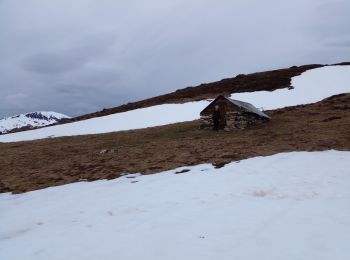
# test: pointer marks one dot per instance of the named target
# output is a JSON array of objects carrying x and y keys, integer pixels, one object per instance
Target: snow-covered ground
[
  {"x": 135, "y": 119},
  {"x": 39, "y": 118},
  {"x": 312, "y": 86},
  {"x": 286, "y": 206}
]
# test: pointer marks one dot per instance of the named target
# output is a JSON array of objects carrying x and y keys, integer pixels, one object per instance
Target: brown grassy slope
[
  {"x": 267, "y": 80},
  {"x": 38, "y": 164}
]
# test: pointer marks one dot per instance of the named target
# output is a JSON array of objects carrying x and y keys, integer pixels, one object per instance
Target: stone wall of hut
[{"x": 234, "y": 120}]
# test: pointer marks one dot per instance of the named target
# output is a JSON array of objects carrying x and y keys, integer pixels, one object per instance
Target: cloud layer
[{"x": 80, "y": 56}]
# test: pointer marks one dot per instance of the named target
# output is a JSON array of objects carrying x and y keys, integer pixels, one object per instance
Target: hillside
[
  {"x": 38, "y": 164},
  {"x": 309, "y": 87},
  {"x": 148, "y": 183},
  {"x": 260, "y": 81},
  {"x": 268, "y": 81}
]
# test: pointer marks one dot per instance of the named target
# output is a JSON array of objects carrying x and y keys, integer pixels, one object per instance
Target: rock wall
[{"x": 234, "y": 120}]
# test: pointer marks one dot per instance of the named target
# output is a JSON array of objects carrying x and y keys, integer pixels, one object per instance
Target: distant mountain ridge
[{"x": 29, "y": 120}]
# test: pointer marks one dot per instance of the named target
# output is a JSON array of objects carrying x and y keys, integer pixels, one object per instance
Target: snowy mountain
[{"x": 29, "y": 120}]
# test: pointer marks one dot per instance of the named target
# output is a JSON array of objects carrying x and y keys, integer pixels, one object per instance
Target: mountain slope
[
  {"x": 208, "y": 201},
  {"x": 311, "y": 86},
  {"x": 29, "y": 121},
  {"x": 32, "y": 165},
  {"x": 260, "y": 81}
]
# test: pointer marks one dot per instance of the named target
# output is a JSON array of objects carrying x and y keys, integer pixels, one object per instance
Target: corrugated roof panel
[{"x": 248, "y": 107}]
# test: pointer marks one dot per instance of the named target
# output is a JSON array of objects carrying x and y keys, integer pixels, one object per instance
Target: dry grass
[{"x": 38, "y": 164}]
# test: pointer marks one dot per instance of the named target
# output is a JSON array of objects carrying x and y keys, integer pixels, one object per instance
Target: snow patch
[
  {"x": 135, "y": 119},
  {"x": 310, "y": 87},
  {"x": 278, "y": 207}
]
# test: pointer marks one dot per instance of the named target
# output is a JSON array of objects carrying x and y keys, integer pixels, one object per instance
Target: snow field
[
  {"x": 134, "y": 119},
  {"x": 286, "y": 206},
  {"x": 310, "y": 87}
]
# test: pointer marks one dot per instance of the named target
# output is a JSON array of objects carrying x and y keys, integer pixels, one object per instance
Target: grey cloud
[
  {"x": 339, "y": 43},
  {"x": 80, "y": 58},
  {"x": 59, "y": 61},
  {"x": 75, "y": 90},
  {"x": 47, "y": 63},
  {"x": 330, "y": 22}
]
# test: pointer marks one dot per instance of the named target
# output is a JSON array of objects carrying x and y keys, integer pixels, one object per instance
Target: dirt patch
[{"x": 32, "y": 165}]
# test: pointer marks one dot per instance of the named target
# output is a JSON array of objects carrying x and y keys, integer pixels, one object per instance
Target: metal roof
[{"x": 247, "y": 107}]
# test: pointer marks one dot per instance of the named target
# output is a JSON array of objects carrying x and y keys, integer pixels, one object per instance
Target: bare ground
[{"x": 32, "y": 165}]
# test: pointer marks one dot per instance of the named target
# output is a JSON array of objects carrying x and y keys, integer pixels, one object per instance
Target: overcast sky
[{"x": 79, "y": 56}]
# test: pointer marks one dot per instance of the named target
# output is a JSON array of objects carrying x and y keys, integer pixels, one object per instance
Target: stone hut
[{"x": 234, "y": 114}]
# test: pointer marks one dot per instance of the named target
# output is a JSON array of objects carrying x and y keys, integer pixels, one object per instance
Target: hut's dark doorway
[{"x": 222, "y": 110}]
